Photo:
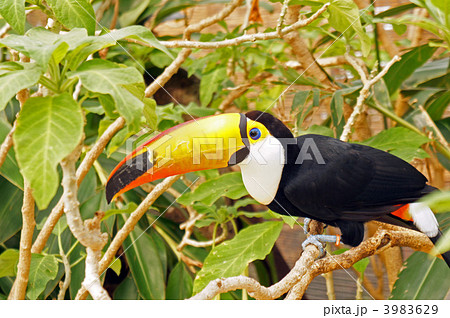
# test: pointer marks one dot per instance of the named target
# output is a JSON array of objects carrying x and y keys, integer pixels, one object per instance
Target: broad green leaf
[
  {"x": 48, "y": 129},
  {"x": 13, "y": 11},
  {"x": 60, "y": 226},
  {"x": 74, "y": 14},
  {"x": 437, "y": 108},
  {"x": 396, "y": 10},
  {"x": 127, "y": 290},
  {"x": 438, "y": 201},
  {"x": 150, "y": 113},
  {"x": 399, "y": 141},
  {"x": 345, "y": 18},
  {"x": 210, "y": 84},
  {"x": 9, "y": 169},
  {"x": 231, "y": 257},
  {"x": 229, "y": 185},
  {"x": 145, "y": 266},
  {"x": 12, "y": 82},
  {"x": 443, "y": 244},
  {"x": 132, "y": 12},
  {"x": 106, "y": 77},
  {"x": 34, "y": 48},
  {"x": 10, "y": 209},
  {"x": 381, "y": 94},
  {"x": 140, "y": 33},
  {"x": 337, "y": 111},
  {"x": 403, "y": 69},
  {"x": 43, "y": 268},
  {"x": 8, "y": 262},
  {"x": 423, "y": 277},
  {"x": 180, "y": 283}
]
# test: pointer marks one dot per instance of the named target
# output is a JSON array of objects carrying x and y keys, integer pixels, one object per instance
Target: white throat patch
[{"x": 262, "y": 169}]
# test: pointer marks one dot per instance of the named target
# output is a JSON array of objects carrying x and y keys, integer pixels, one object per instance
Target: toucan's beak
[{"x": 206, "y": 143}]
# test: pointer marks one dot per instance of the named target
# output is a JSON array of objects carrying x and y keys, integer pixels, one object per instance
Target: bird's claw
[{"x": 320, "y": 240}]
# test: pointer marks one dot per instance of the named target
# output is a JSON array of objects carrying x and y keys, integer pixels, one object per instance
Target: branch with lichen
[
  {"x": 368, "y": 82},
  {"x": 308, "y": 266},
  {"x": 88, "y": 232},
  {"x": 126, "y": 229}
]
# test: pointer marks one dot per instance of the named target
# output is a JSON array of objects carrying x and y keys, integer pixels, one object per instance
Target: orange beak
[{"x": 206, "y": 143}]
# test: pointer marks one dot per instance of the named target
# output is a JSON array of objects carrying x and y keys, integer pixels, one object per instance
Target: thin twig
[
  {"x": 241, "y": 39},
  {"x": 282, "y": 15},
  {"x": 364, "y": 93},
  {"x": 169, "y": 71}
]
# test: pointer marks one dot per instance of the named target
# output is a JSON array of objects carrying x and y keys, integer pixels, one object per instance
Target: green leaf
[
  {"x": 443, "y": 244},
  {"x": 106, "y": 77},
  {"x": 229, "y": 185},
  {"x": 210, "y": 84},
  {"x": 423, "y": 277},
  {"x": 399, "y": 141},
  {"x": 128, "y": 209},
  {"x": 180, "y": 283},
  {"x": 403, "y": 69},
  {"x": 438, "y": 201},
  {"x": 381, "y": 94},
  {"x": 48, "y": 129},
  {"x": 74, "y": 14},
  {"x": 8, "y": 262},
  {"x": 33, "y": 47},
  {"x": 43, "y": 268},
  {"x": 140, "y": 33},
  {"x": 10, "y": 209},
  {"x": 60, "y": 226},
  {"x": 13, "y": 11},
  {"x": 439, "y": 105},
  {"x": 150, "y": 113},
  {"x": 345, "y": 18},
  {"x": 145, "y": 265},
  {"x": 24, "y": 76},
  {"x": 127, "y": 290},
  {"x": 133, "y": 11},
  {"x": 396, "y": 10},
  {"x": 231, "y": 257}
]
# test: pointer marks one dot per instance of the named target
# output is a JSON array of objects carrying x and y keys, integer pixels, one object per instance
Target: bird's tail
[{"x": 446, "y": 255}]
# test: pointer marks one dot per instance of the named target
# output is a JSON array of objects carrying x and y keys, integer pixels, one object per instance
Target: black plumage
[{"x": 342, "y": 184}]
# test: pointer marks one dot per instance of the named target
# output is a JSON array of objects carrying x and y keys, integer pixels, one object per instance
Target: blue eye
[{"x": 255, "y": 133}]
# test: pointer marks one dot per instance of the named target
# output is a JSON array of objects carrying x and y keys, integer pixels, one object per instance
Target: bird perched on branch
[{"x": 340, "y": 184}]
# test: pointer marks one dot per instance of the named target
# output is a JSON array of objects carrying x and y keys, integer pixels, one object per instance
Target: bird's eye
[{"x": 255, "y": 133}]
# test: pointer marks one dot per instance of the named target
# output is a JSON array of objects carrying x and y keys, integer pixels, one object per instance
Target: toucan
[{"x": 313, "y": 176}]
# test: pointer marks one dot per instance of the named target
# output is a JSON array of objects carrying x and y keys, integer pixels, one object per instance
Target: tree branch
[
  {"x": 87, "y": 233},
  {"x": 129, "y": 225},
  {"x": 241, "y": 39},
  {"x": 308, "y": 266},
  {"x": 19, "y": 288}
]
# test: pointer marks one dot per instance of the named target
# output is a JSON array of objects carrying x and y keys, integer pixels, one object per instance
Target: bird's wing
[{"x": 353, "y": 182}]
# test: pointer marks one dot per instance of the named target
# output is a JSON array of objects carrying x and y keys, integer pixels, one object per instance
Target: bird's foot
[
  {"x": 306, "y": 222},
  {"x": 320, "y": 240}
]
